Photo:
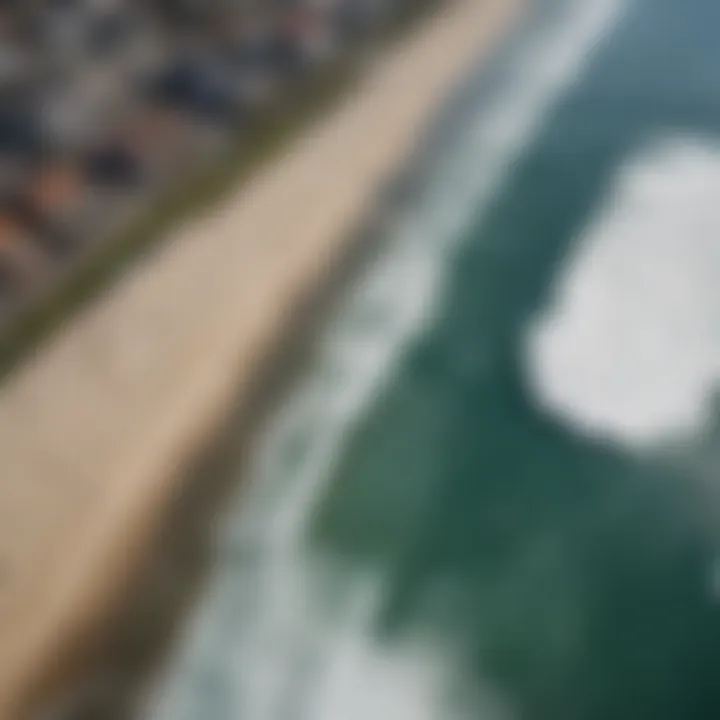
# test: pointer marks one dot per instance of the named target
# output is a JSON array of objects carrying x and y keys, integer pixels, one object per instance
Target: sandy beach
[{"x": 94, "y": 429}]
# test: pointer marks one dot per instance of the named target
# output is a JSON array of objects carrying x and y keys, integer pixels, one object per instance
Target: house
[
  {"x": 52, "y": 202},
  {"x": 22, "y": 264},
  {"x": 159, "y": 137}
]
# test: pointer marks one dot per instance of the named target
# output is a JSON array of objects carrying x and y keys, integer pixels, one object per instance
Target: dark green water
[
  {"x": 570, "y": 574},
  {"x": 579, "y": 572}
]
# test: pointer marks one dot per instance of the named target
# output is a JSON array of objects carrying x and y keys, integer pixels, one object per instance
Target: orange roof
[
  {"x": 11, "y": 230},
  {"x": 55, "y": 186}
]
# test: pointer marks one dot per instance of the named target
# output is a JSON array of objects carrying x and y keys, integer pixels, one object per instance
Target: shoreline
[
  {"x": 89, "y": 459},
  {"x": 126, "y": 660}
]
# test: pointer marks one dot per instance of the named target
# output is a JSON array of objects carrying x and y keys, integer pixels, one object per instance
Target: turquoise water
[{"x": 472, "y": 507}]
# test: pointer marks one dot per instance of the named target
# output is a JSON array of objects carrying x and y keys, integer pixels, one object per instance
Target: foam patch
[{"x": 631, "y": 348}]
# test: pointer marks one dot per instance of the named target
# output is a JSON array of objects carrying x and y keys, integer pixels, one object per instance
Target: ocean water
[{"x": 494, "y": 493}]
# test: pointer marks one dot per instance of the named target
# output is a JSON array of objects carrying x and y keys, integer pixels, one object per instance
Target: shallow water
[{"x": 493, "y": 495}]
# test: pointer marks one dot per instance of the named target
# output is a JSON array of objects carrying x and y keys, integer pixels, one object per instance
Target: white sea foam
[
  {"x": 631, "y": 349},
  {"x": 269, "y": 642}
]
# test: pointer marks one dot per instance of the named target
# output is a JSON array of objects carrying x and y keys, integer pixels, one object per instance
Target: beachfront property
[{"x": 106, "y": 105}]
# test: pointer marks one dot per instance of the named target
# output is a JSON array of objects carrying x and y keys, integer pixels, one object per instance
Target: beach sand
[{"x": 94, "y": 429}]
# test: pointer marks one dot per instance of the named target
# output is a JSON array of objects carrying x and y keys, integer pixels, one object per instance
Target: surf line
[{"x": 255, "y": 629}]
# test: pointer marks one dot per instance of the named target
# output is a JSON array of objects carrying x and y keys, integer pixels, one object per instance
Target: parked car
[
  {"x": 21, "y": 134},
  {"x": 115, "y": 164},
  {"x": 201, "y": 88}
]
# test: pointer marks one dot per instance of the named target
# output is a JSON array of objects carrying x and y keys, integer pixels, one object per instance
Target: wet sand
[{"x": 95, "y": 429}]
